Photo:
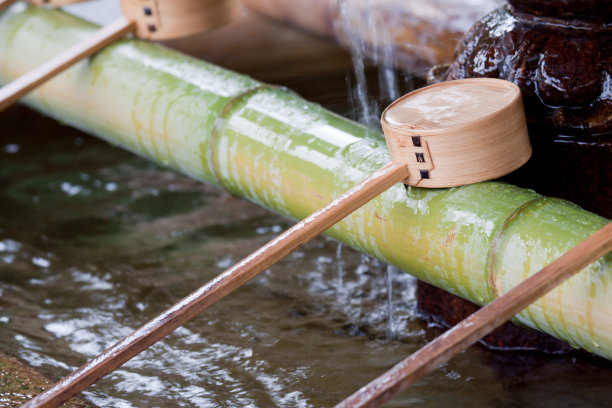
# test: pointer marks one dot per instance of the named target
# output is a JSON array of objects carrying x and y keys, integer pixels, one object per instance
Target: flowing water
[
  {"x": 95, "y": 241},
  {"x": 369, "y": 32}
]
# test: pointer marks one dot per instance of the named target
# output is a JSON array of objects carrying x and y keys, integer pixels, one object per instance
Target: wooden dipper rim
[
  {"x": 168, "y": 19},
  {"x": 458, "y": 132}
]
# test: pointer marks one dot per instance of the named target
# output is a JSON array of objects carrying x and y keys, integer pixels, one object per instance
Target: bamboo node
[
  {"x": 496, "y": 291},
  {"x": 212, "y": 144}
]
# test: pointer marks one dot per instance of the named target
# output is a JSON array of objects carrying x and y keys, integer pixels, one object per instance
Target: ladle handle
[
  {"x": 479, "y": 324},
  {"x": 6, "y": 3},
  {"x": 14, "y": 90},
  {"x": 221, "y": 286}
]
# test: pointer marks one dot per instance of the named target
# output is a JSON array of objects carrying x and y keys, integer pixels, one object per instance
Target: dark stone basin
[{"x": 559, "y": 52}]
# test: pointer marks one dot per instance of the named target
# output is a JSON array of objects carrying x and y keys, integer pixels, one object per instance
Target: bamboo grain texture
[
  {"x": 218, "y": 288},
  {"x": 479, "y": 324},
  {"x": 75, "y": 107},
  {"x": 21, "y": 86}
]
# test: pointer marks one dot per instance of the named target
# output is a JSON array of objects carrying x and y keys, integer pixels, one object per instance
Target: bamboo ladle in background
[
  {"x": 48, "y": 3},
  {"x": 150, "y": 20},
  {"x": 444, "y": 135}
]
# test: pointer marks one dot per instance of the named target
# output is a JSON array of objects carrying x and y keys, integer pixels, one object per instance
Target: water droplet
[
  {"x": 11, "y": 148},
  {"x": 40, "y": 261}
]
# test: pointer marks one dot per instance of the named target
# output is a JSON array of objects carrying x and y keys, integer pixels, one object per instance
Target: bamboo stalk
[
  {"x": 481, "y": 323},
  {"x": 216, "y": 289},
  {"x": 16, "y": 89},
  {"x": 271, "y": 147},
  {"x": 421, "y": 33}
]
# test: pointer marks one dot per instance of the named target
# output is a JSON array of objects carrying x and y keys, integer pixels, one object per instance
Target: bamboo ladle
[
  {"x": 48, "y": 3},
  {"x": 443, "y": 135},
  {"x": 150, "y": 20}
]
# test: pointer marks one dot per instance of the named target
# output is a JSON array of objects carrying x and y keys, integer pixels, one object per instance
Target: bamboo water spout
[{"x": 420, "y": 33}]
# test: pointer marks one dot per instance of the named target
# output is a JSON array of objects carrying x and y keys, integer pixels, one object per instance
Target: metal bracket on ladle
[{"x": 150, "y": 20}]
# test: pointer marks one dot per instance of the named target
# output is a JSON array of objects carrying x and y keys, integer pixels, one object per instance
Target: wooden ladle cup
[{"x": 458, "y": 132}]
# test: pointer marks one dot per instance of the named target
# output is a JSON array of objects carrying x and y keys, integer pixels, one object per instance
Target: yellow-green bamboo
[{"x": 270, "y": 146}]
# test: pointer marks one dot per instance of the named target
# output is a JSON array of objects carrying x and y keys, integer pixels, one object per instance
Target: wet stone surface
[
  {"x": 558, "y": 52},
  {"x": 19, "y": 383}
]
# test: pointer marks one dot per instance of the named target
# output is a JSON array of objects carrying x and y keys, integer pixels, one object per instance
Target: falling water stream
[
  {"x": 95, "y": 241},
  {"x": 368, "y": 30}
]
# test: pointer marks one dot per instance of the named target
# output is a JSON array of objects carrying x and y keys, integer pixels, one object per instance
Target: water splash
[
  {"x": 340, "y": 272},
  {"x": 374, "y": 298}
]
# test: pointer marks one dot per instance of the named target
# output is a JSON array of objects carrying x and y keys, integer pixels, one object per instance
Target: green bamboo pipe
[{"x": 269, "y": 146}]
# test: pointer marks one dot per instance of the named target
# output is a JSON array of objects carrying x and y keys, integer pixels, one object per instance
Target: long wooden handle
[
  {"x": 6, "y": 3},
  {"x": 479, "y": 324},
  {"x": 13, "y": 91},
  {"x": 221, "y": 286}
]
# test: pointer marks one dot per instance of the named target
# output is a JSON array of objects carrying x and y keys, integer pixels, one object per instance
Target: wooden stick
[
  {"x": 13, "y": 91},
  {"x": 6, "y": 3},
  {"x": 471, "y": 329},
  {"x": 221, "y": 286}
]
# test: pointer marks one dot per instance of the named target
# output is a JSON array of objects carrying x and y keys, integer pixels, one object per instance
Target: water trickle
[
  {"x": 359, "y": 21},
  {"x": 340, "y": 273},
  {"x": 390, "y": 331}
]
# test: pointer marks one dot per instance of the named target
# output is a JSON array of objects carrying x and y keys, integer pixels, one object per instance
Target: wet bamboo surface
[
  {"x": 218, "y": 288},
  {"x": 476, "y": 326}
]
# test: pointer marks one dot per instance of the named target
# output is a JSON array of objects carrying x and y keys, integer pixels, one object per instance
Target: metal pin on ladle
[
  {"x": 444, "y": 135},
  {"x": 150, "y": 20}
]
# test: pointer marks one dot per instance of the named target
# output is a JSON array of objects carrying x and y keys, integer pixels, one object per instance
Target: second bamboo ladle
[
  {"x": 47, "y": 3},
  {"x": 151, "y": 20}
]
